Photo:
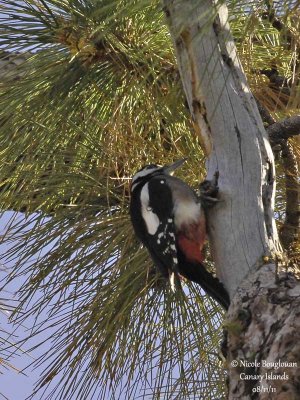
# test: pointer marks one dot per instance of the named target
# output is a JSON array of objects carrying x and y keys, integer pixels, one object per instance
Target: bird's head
[{"x": 149, "y": 171}]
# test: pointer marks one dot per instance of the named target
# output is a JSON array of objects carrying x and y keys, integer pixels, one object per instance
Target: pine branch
[{"x": 279, "y": 24}]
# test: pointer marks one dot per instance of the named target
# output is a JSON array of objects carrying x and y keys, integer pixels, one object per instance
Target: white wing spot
[
  {"x": 175, "y": 260},
  {"x": 160, "y": 235},
  {"x": 158, "y": 241},
  {"x": 173, "y": 247},
  {"x": 162, "y": 181},
  {"x": 170, "y": 220}
]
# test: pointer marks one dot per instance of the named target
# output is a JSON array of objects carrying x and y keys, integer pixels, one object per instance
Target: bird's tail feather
[{"x": 197, "y": 272}]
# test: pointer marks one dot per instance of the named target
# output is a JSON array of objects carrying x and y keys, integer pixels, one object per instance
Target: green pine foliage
[{"x": 98, "y": 96}]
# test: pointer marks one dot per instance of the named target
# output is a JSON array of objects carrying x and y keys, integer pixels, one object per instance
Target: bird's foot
[{"x": 209, "y": 191}]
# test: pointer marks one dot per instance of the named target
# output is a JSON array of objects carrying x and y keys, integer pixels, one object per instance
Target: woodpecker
[{"x": 169, "y": 220}]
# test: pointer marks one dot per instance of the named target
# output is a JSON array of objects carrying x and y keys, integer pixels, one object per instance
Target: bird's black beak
[{"x": 169, "y": 169}]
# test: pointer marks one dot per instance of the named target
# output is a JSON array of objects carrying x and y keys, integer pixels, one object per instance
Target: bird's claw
[{"x": 209, "y": 191}]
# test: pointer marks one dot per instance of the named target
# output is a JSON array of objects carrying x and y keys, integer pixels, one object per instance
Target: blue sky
[
  {"x": 15, "y": 385},
  {"x": 18, "y": 386}
]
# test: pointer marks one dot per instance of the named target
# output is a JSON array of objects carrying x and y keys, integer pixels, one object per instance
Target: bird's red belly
[{"x": 191, "y": 240}]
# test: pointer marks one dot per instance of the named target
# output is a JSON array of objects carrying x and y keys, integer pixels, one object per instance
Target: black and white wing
[{"x": 157, "y": 212}]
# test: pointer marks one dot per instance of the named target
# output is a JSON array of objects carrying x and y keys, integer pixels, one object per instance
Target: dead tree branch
[
  {"x": 284, "y": 129},
  {"x": 279, "y": 133}
]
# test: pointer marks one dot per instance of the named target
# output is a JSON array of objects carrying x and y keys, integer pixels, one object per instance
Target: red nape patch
[{"x": 190, "y": 248}]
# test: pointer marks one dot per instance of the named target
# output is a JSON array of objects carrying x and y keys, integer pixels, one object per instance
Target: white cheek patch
[{"x": 150, "y": 218}]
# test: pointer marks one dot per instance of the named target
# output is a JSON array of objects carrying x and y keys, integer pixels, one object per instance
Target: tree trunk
[{"x": 264, "y": 315}]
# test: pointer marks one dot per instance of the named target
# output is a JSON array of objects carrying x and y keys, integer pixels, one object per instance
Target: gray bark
[
  {"x": 242, "y": 229},
  {"x": 263, "y": 347},
  {"x": 233, "y": 135}
]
